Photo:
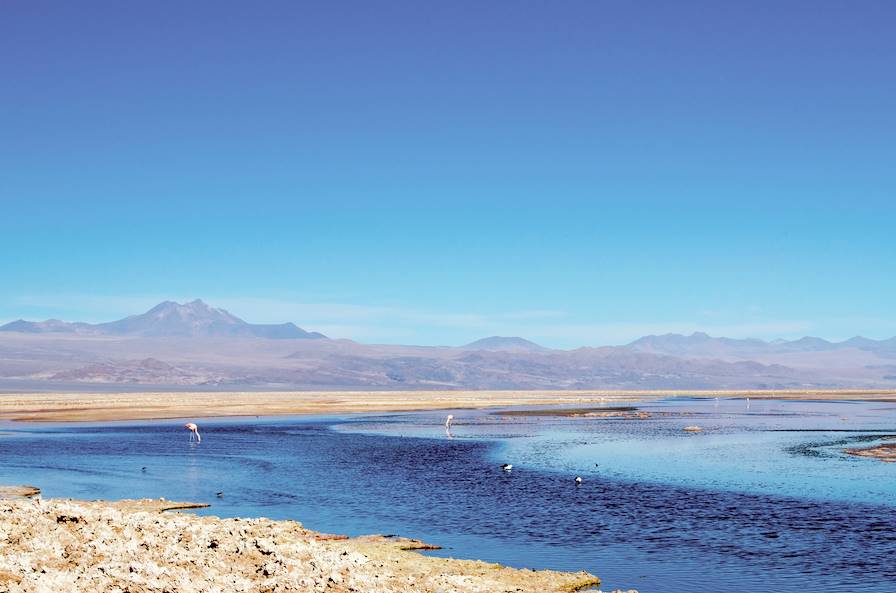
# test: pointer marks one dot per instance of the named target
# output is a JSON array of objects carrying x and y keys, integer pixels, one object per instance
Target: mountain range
[
  {"x": 195, "y": 346},
  {"x": 193, "y": 319},
  {"x": 503, "y": 343},
  {"x": 702, "y": 344}
]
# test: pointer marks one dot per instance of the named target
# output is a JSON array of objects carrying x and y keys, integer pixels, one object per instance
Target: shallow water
[{"x": 763, "y": 499}]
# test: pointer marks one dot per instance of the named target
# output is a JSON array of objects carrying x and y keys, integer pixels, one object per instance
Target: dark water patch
[
  {"x": 830, "y": 540},
  {"x": 565, "y": 411},
  {"x": 834, "y": 448},
  {"x": 853, "y": 430}
]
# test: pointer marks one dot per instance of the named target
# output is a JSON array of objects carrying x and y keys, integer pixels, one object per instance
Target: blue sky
[{"x": 579, "y": 173}]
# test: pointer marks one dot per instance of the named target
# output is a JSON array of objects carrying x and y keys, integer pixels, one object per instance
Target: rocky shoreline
[{"x": 132, "y": 546}]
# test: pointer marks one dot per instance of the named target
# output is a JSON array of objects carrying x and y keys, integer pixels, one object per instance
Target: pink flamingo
[{"x": 194, "y": 431}]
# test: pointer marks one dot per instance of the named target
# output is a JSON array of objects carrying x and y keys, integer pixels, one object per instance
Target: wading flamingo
[
  {"x": 194, "y": 432},
  {"x": 448, "y": 426}
]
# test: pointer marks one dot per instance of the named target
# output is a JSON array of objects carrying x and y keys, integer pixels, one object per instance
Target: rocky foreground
[{"x": 133, "y": 547}]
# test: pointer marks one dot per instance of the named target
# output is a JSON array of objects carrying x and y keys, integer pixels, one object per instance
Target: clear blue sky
[{"x": 575, "y": 172}]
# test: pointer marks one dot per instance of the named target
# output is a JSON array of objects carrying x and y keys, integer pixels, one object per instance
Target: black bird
[
  {"x": 219, "y": 494},
  {"x": 143, "y": 469}
]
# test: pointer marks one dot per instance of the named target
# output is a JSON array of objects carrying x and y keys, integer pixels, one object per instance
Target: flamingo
[{"x": 194, "y": 431}]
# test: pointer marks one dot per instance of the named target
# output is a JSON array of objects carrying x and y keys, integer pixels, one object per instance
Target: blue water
[{"x": 763, "y": 499}]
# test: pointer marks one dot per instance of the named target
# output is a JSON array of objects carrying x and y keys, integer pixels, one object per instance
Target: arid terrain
[{"x": 104, "y": 406}]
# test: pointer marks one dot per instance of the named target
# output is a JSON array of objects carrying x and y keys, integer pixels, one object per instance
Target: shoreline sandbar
[
  {"x": 111, "y": 406},
  {"x": 885, "y": 452}
]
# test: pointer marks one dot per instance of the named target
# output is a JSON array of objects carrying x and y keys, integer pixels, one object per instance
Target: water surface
[{"x": 762, "y": 499}]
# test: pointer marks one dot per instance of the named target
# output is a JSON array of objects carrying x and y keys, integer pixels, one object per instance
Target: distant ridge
[
  {"x": 157, "y": 349},
  {"x": 501, "y": 343},
  {"x": 680, "y": 342},
  {"x": 45, "y": 327},
  {"x": 195, "y": 346},
  {"x": 170, "y": 319},
  {"x": 700, "y": 343}
]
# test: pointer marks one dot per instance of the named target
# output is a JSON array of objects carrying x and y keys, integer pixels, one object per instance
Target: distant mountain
[
  {"x": 696, "y": 343},
  {"x": 862, "y": 343},
  {"x": 45, "y": 327},
  {"x": 808, "y": 344},
  {"x": 170, "y": 319},
  {"x": 501, "y": 343},
  {"x": 704, "y": 345}
]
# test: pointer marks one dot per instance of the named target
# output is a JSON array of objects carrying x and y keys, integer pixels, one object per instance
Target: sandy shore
[
  {"x": 68, "y": 407},
  {"x": 131, "y": 546},
  {"x": 18, "y": 491}
]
